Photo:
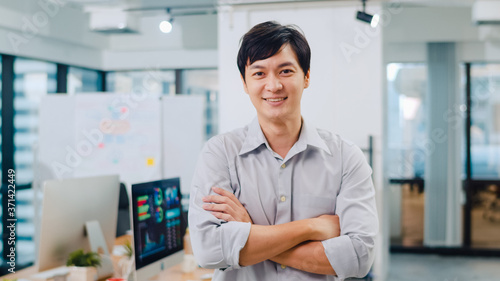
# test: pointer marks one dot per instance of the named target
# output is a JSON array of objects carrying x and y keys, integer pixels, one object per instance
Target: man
[{"x": 280, "y": 199}]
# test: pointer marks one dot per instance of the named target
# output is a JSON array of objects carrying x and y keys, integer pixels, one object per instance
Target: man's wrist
[{"x": 309, "y": 228}]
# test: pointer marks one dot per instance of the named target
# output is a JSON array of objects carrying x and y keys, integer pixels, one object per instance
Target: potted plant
[
  {"x": 126, "y": 263},
  {"x": 83, "y": 265}
]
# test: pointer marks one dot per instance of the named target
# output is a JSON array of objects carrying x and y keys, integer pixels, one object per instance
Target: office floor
[{"x": 414, "y": 267}]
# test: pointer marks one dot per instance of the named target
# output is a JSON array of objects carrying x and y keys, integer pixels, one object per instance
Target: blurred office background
[{"x": 424, "y": 85}]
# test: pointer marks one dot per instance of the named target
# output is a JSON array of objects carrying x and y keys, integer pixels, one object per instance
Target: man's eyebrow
[
  {"x": 288, "y": 63},
  {"x": 257, "y": 66}
]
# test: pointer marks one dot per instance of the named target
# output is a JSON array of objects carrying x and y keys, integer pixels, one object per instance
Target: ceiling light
[
  {"x": 166, "y": 25},
  {"x": 363, "y": 16}
]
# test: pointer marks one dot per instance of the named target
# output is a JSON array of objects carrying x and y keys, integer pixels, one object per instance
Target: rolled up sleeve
[
  {"x": 216, "y": 243},
  {"x": 352, "y": 253}
]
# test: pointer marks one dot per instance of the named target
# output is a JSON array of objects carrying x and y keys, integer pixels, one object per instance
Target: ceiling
[
  {"x": 186, "y": 6},
  {"x": 148, "y": 5}
]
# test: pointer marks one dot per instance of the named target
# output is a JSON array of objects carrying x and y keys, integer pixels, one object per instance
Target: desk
[
  {"x": 175, "y": 273},
  {"x": 171, "y": 274}
]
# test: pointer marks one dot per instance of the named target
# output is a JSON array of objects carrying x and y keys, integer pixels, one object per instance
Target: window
[
  {"x": 1, "y": 228},
  {"x": 32, "y": 80},
  {"x": 204, "y": 83},
  {"x": 154, "y": 81},
  {"x": 485, "y": 115},
  {"x": 81, "y": 80},
  {"x": 0, "y": 119},
  {"x": 406, "y": 85}
]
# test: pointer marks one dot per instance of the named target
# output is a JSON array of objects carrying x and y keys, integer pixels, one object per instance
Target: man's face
[{"x": 275, "y": 86}]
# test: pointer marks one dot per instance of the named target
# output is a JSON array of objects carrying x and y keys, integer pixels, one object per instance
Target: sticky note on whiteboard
[{"x": 150, "y": 162}]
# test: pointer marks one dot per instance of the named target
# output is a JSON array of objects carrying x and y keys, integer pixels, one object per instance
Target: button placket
[{"x": 282, "y": 197}]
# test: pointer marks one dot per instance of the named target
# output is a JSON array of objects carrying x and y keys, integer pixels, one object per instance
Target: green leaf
[{"x": 79, "y": 258}]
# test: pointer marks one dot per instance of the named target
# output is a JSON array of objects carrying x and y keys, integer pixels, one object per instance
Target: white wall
[{"x": 345, "y": 95}]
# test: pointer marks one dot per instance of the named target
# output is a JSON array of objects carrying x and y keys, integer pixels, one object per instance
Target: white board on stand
[{"x": 183, "y": 136}]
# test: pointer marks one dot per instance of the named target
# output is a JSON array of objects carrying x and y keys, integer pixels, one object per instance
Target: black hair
[{"x": 266, "y": 39}]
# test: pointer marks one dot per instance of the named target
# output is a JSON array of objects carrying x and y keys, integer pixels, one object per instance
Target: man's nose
[{"x": 273, "y": 84}]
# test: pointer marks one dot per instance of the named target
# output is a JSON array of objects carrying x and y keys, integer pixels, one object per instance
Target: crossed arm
[{"x": 295, "y": 244}]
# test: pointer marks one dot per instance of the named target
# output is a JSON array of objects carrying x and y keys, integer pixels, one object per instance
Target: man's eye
[
  {"x": 258, "y": 73},
  {"x": 286, "y": 71}
]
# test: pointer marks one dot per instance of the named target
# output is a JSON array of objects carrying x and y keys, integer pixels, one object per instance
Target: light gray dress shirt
[{"x": 321, "y": 174}]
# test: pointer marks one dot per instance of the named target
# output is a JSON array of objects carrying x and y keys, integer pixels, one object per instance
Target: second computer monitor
[
  {"x": 68, "y": 205},
  {"x": 158, "y": 226}
]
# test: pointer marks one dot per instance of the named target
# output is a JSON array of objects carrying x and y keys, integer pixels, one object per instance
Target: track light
[
  {"x": 363, "y": 16},
  {"x": 166, "y": 25}
]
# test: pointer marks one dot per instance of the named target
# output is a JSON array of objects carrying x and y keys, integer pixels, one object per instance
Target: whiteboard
[
  {"x": 116, "y": 134},
  {"x": 141, "y": 139},
  {"x": 183, "y": 136}
]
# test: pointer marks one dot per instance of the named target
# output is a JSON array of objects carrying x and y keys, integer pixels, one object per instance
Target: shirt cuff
[
  {"x": 342, "y": 256},
  {"x": 234, "y": 236}
]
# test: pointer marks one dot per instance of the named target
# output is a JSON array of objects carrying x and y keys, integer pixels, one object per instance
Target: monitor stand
[{"x": 98, "y": 245}]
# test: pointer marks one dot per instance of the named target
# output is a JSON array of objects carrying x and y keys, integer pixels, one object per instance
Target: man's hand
[
  {"x": 226, "y": 206},
  {"x": 326, "y": 227}
]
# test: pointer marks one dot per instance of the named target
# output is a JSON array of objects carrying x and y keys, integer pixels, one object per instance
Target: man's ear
[
  {"x": 306, "y": 79},
  {"x": 244, "y": 84}
]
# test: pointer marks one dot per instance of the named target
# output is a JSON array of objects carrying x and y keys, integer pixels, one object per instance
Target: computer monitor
[
  {"x": 158, "y": 226},
  {"x": 67, "y": 206}
]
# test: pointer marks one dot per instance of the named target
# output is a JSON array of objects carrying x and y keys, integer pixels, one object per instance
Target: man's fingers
[
  {"x": 223, "y": 216},
  {"x": 216, "y": 199},
  {"x": 226, "y": 193},
  {"x": 221, "y": 191},
  {"x": 224, "y": 197},
  {"x": 218, "y": 208}
]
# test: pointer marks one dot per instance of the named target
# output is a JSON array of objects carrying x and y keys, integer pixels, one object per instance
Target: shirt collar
[
  {"x": 308, "y": 136},
  {"x": 255, "y": 137}
]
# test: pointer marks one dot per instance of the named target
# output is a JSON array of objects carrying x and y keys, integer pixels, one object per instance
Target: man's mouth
[{"x": 275, "y": 100}]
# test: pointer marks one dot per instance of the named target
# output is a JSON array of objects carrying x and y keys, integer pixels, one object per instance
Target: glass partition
[
  {"x": 485, "y": 155},
  {"x": 205, "y": 83},
  {"x": 406, "y": 89},
  {"x": 151, "y": 81}
]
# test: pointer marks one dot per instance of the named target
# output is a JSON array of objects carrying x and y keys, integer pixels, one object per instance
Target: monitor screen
[
  {"x": 68, "y": 204},
  {"x": 157, "y": 218}
]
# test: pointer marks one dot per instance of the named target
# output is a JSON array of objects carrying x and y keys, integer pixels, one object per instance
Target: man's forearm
[
  {"x": 268, "y": 241},
  {"x": 309, "y": 256}
]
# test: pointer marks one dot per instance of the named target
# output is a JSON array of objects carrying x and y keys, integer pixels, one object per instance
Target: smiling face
[{"x": 275, "y": 86}]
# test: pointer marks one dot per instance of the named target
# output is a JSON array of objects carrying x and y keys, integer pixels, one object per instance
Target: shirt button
[
  {"x": 283, "y": 198},
  {"x": 283, "y": 266},
  {"x": 283, "y": 165}
]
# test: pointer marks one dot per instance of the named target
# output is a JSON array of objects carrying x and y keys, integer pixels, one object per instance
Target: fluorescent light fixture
[{"x": 365, "y": 17}]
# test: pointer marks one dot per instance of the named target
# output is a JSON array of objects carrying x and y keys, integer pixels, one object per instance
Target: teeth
[{"x": 280, "y": 99}]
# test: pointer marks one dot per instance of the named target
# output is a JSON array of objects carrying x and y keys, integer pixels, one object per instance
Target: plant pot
[
  {"x": 78, "y": 273},
  {"x": 125, "y": 267}
]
